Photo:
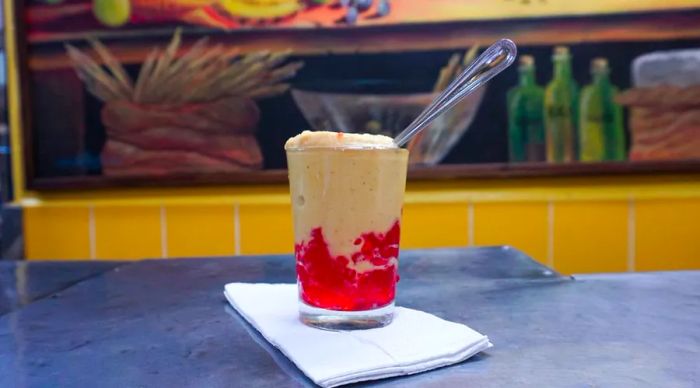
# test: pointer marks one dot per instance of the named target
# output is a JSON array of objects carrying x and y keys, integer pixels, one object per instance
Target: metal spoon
[{"x": 493, "y": 61}]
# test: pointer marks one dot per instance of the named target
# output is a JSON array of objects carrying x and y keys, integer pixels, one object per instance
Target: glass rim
[{"x": 344, "y": 148}]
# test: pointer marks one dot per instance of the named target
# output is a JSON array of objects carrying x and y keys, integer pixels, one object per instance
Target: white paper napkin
[{"x": 414, "y": 342}]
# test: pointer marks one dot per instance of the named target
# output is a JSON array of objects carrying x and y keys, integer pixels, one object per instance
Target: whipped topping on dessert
[{"x": 326, "y": 139}]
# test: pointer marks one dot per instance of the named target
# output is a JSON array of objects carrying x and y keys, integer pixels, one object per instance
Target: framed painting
[{"x": 138, "y": 92}]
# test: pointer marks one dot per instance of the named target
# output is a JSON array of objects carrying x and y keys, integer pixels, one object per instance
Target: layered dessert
[{"x": 347, "y": 196}]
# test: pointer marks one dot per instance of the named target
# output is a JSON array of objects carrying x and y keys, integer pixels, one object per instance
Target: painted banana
[{"x": 261, "y": 9}]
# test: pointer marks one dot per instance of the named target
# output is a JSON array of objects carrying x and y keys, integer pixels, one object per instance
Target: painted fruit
[
  {"x": 383, "y": 8},
  {"x": 351, "y": 16},
  {"x": 261, "y": 9},
  {"x": 112, "y": 13},
  {"x": 363, "y": 5}
]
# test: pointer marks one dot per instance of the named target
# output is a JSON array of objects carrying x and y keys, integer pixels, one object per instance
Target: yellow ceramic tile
[
  {"x": 590, "y": 236},
  {"x": 200, "y": 230},
  {"x": 522, "y": 225},
  {"x": 266, "y": 229},
  {"x": 434, "y": 225},
  {"x": 667, "y": 234},
  {"x": 127, "y": 232},
  {"x": 56, "y": 233}
]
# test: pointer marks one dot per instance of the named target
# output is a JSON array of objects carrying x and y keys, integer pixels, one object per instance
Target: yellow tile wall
[
  {"x": 578, "y": 228},
  {"x": 200, "y": 230},
  {"x": 266, "y": 229},
  {"x": 667, "y": 234},
  {"x": 434, "y": 225},
  {"x": 522, "y": 225},
  {"x": 60, "y": 233},
  {"x": 128, "y": 232},
  {"x": 590, "y": 236}
]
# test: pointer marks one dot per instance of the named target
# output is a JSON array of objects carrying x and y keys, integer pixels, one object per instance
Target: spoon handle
[{"x": 491, "y": 62}]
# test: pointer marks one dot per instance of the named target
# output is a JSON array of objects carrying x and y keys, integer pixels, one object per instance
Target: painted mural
[
  {"x": 193, "y": 113},
  {"x": 236, "y": 14},
  {"x": 141, "y": 88}
]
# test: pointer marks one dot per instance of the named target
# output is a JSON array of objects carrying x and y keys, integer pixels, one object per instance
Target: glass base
[{"x": 345, "y": 320}]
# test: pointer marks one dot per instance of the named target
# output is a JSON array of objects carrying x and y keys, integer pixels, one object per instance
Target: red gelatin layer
[{"x": 365, "y": 280}]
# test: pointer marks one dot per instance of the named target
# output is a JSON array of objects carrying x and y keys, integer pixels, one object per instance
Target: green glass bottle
[
  {"x": 561, "y": 110},
  {"x": 525, "y": 116},
  {"x": 601, "y": 131}
]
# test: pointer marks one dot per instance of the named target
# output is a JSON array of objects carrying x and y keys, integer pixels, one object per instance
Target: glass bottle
[
  {"x": 602, "y": 135},
  {"x": 525, "y": 116},
  {"x": 561, "y": 110}
]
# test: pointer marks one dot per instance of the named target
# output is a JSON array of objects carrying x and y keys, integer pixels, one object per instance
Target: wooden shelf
[
  {"x": 436, "y": 173},
  {"x": 131, "y": 46}
]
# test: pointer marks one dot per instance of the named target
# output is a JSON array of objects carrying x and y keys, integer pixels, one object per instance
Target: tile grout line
[
  {"x": 92, "y": 238},
  {"x": 550, "y": 234},
  {"x": 631, "y": 235},
  {"x": 470, "y": 224},
  {"x": 236, "y": 231},
  {"x": 163, "y": 232}
]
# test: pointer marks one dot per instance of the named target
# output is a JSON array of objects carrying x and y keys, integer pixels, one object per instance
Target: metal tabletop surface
[
  {"x": 23, "y": 282},
  {"x": 166, "y": 323}
]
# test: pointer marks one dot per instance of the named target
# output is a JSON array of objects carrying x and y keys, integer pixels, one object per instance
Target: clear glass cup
[{"x": 347, "y": 205}]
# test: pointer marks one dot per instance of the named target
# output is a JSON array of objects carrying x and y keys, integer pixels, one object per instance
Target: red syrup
[{"x": 333, "y": 283}]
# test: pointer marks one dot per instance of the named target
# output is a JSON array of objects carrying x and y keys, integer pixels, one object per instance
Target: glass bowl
[{"x": 388, "y": 114}]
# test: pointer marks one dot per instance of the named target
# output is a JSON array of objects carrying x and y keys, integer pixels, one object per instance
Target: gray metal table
[
  {"x": 165, "y": 323},
  {"x": 23, "y": 282}
]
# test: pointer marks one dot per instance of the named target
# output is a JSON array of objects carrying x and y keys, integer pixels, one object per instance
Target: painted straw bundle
[{"x": 202, "y": 73}]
